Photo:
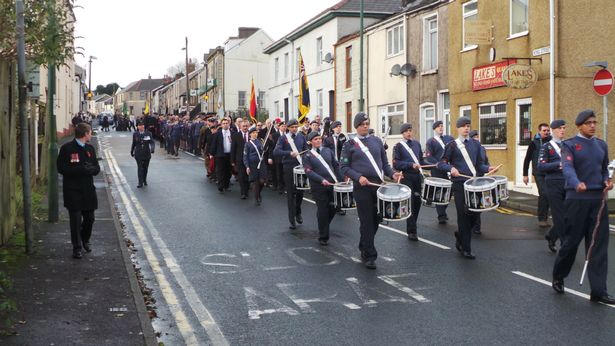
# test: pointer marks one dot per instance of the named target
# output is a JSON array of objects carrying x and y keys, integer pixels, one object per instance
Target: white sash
[
  {"x": 405, "y": 145},
  {"x": 324, "y": 163},
  {"x": 260, "y": 156},
  {"x": 335, "y": 139},
  {"x": 556, "y": 147},
  {"x": 371, "y": 159},
  {"x": 439, "y": 140},
  {"x": 466, "y": 156},
  {"x": 291, "y": 141}
]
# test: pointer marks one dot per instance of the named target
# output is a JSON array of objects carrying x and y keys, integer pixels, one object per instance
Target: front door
[{"x": 523, "y": 137}]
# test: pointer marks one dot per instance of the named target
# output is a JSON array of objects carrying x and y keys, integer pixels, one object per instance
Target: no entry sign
[{"x": 603, "y": 82}]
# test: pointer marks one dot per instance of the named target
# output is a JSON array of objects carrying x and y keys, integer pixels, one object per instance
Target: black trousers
[
  {"x": 279, "y": 173},
  {"x": 223, "y": 171},
  {"x": 196, "y": 149},
  {"x": 556, "y": 195},
  {"x": 543, "y": 202},
  {"x": 369, "y": 220},
  {"x": 81, "y": 222},
  {"x": 465, "y": 219},
  {"x": 142, "y": 167},
  {"x": 294, "y": 197},
  {"x": 243, "y": 179},
  {"x": 581, "y": 216},
  {"x": 325, "y": 209},
  {"x": 413, "y": 181},
  {"x": 440, "y": 209}
]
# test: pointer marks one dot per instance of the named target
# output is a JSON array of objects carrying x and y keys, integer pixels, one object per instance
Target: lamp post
[
  {"x": 90, "y": 75},
  {"x": 187, "y": 79},
  {"x": 291, "y": 97}
]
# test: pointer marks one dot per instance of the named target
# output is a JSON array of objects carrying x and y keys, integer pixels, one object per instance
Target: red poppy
[
  {"x": 551, "y": 152},
  {"x": 578, "y": 147},
  {"x": 88, "y": 153}
]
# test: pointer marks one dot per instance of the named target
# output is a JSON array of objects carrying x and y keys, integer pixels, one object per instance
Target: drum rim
[
  {"x": 345, "y": 188},
  {"x": 439, "y": 182},
  {"x": 298, "y": 169},
  {"x": 497, "y": 205},
  {"x": 493, "y": 184},
  {"x": 380, "y": 195}
]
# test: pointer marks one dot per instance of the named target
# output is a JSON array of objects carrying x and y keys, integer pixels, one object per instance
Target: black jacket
[
  {"x": 216, "y": 147},
  {"x": 142, "y": 145},
  {"x": 533, "y": 151},
  {"x": 237, "y": 145},
  {"x": 78, "y": 165}
]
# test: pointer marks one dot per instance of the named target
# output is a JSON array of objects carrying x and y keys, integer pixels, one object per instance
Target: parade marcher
[
  {"x": 277, "y": 160},
  {"x": 211, "y": 161},
  {"x": 176, "y": 130},
  {"x": 463, "y": 156},
  {"x": 142, "y": 149},
  {"x": 434, "y": 149},
  {"x": 255, "y": 163},
  {"x": 550, "y": 163},
  {"x": 105, "y": 123},
  {"x": 585, "y": 168},
  {"x": 78, "y": 165},
  {"x": 364, "y": 160},
  {"x": 221, "y": 150},
  {"x": 322, "y": 169},
  {"x": 476, "y": 228},
  {"x": 408, "y": 158},
  {"x": 288, "y": 148},
  {"x": 238, "y": 142},
  {"x": 533, "y": 150},
  {"x": 335, "y": 142}
]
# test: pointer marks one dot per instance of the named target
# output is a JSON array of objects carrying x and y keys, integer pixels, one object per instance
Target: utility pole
[
  {"x": 187, "y": 79},
  {"x": 90, "y": 75},
  {"x": 25, "y": 141},
  {"x": 52, "y": 179},
  {"x": 361, "y": 100}
]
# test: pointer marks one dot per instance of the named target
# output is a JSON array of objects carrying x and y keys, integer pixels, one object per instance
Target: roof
[
  {"x": 411, "y": 5},
  {"x": 147, "y": 84},
  {"x": 101, "y": 97},
  {"x": 344, "y": 8}
]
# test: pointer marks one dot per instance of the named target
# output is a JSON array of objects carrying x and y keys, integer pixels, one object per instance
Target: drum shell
[
  {"x": 436, "y": 191},
  {"x": 502, "y": 182},
  {"x": 394, "y": 207},
  {"x": 343, "y": 197},
  {"x": 300, "y": 179},
  {"x": 483, "y": 197}
]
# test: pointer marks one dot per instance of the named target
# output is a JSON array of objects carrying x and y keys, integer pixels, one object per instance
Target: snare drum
[
  {"x": 481, "y": 194},
  {"x": 300, "y": 178},
  {"x": 342, "y": 196},
  {"x": 436, "y": 191},
  {"x": 502, "y": 182},
  {"x": 394, "y": 202}
]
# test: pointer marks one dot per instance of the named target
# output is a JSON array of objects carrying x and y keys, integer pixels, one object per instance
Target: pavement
[{"x": 92, "y": 301}]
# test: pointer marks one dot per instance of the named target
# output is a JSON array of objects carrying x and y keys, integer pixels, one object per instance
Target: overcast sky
[{"x": 134, "y": 38}]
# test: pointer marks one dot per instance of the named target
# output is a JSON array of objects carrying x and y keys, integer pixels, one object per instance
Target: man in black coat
[
  {"x": 239, "y": 139},
  {"x": 142, "y": 149},
  {"x": 220, "y": 149},
  {"x": 78, "y": 165}
]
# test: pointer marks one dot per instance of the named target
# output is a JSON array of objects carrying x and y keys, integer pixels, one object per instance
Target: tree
[{"x": 180, "y": 67}]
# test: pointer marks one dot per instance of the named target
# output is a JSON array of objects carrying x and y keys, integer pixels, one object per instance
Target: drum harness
[
  {"x": 293, "y": 146},
  {"x": 405, "y": 145},
  {"x": 370, "y": 157},
  {"x": 260, "y": 156},
  {"x": 324, "y": 163},
  {"x": 466, "y": 156},
  {"x": 556, "y": 147}
]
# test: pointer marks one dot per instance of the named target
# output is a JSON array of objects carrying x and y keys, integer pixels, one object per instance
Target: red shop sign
[{"x": 490, "y": 76}]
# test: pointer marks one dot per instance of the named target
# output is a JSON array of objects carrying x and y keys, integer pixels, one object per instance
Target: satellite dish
[
  {"x": 408, "y": 70},
  {"x": 395, "y": 70},
  {"x": 328, "y": 58}
]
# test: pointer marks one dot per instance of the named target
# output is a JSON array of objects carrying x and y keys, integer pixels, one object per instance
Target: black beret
[
  {"x": 436, "y": 124},
  {"x": 359, "y": 118},
  {"x": 313, "y": 135},
  {"x": 140, "y": 122},
  {"x": 336, "y": 124},
  {"x": 463, "y": 121},
  {"x": 315, "y": 122},
  {"x": 473, "y": 133},
  {"x": 405, "y": 127},
  {"x": 293, "y": 122},
  {"x": 252, "y": 129},
  {"x": 557, "y": 123},
  {"x": 371, "y": 131},
  {"x": 583, "y": 116}
]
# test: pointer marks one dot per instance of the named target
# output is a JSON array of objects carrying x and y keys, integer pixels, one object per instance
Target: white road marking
[
  {"x": 361, "y": 290},
  {"x": 292, "y": 254},
  {"x": 303, "y": 303},
  {"x": 412, "y": 293},
  {"x": 547, "y": 283},
  {"x": 245, "y": 254},
  {"x": 202, "y": 314},
  {"x": 278, "y": 268},
  {"x": 612, "y": 228},
  {"x": 254, "y": 311}
]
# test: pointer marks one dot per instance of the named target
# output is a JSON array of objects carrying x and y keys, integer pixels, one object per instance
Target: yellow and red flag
[
  {"x": 253, "y": 103},
  {"x": 304, "y": 92}
]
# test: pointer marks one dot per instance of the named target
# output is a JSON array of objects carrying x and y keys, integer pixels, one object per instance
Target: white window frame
[
  {"x": 319, "y": 102},
  {"x": 319, "y": 51},
  {"x": 239, "y": 98},
  {"x": 465, "y": 108},
  {"x": 444, "y": 113},
  {"x": 297, "y": 52},
  {"x": 464, "y": 15},
  {"x": 390, "y": 40},
  {"x": 286, "y": 61},
  {"x": 425, "y": 128},
  {"x": 428, "y": 45},
  {"x": 276, "y": 69},
  {"x": 491, "y": 116},
  {"x": 523, "y": 32},
  {"x": 276, "y": 108},
  {"x": 387, "y": 111}
]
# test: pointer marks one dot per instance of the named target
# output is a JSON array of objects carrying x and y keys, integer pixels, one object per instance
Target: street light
[
  {"x": 90, "y": 76},
  {"x": 187, "y": 79}
]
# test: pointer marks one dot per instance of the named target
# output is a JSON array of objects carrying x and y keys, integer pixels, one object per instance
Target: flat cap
[
  {"x": 313, "y": 135},
  {"x": 463, "y": 121},
  {"x": 436, "y": 124},
  {"x": 293, "y": 122},
  {"x": 405, "y": 127},
  {"x": 557, "y": 123},
  {"x": 336, "y": 124},
  {"x": 583, "y": 116},
  {"x": 359, "y": 118},
  {"x": 473, "y": 133}
]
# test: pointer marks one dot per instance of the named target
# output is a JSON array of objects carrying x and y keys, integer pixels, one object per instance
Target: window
[
  {"x": 492, "y": 124},
  {"x": 319, "y": 102},
  {"x": 395, "y": 40},
  {"x": 296, "y": 105},
  {"x": 318, "y": 51},
  {"x": 241, "y": 99},
  {"x": 142, "y": 95},
  {"x": 260, "y": 100},
  {"x": 348, "y": 66},
  {"x": 465, "y": 111},
  {"x": 348, "y": 116},
  {"x": 428, "y": 118},
  {"x": 524, "y": 114},
  {"x": 470, "y": 12},
  {"x": 276, "y": 69},
  {"x": 445, "y": 107},
  {"x": 276, "y": 109},
  {"x": 391, "y": 118},
  {"x": 297, "y": 53},
  {"x": 286, "y": 69},
  {"x": 430, "y": 43},
  {"x": 518, "y": 17}
]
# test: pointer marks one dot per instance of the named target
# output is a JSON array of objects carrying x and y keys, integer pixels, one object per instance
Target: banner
[
  {"x": 252, "y": 103},
  {"x": 304, "y": 92}
]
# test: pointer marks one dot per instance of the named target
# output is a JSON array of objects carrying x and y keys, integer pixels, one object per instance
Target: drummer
[
  {"x": 288, "y": 149},
  {"x": 408, "y": 158},
  {"x": 463, "y": 157},
  {"x": 255, "y": 161},
  {"x": 364, "y": 160},
  {"x": 434, "y": 149},
  {"x": 323, "y": 170},
  {"x": 483, "y": 154}
]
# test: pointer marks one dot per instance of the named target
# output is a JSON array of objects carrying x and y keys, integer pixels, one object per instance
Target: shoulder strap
[
  {"x": 556, "y": 147},
  {"x": 293, "y": 146},
  {"x": 370, "y": 158},
  {"x": 466, "y": 156},
  {"x": 324, "y": 163},
  {"x": 439, "y": 140},
  {"x": 416, "y": 160}
]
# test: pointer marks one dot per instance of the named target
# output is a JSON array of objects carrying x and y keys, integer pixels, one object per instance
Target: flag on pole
[
  {"x": 304, "y": 92},
  {"x": 146, "y": 111},
  {"x": 252, "y": 103},
  {"x": 220, "y": 114}
]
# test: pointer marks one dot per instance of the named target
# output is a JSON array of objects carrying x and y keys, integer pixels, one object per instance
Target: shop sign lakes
[{"x": 518, "y": 76}]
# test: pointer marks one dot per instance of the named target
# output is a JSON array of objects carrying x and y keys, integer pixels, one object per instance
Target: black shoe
[
  {"x": 323, "y": 242},
  {"x": 476, "y": 231},
  {"x": 413, "y": 237},
  {"x": 370, "y": 264},
  {"x": 258, "y": 202},
  {"x": 558, "y": 285},
  {"x": 145, "y": 183},
  {"x": 442, "y": 220},
  {"x": 77, "y": 254},
  {"x": 292, "y": 226},
  {"x": 281, "y": 192},
  {"x": 243, "y": 197},
  {"x": 299, "y": 219},
  {"x": 220, "y": 190},
  {"x": 458, "y": 242},
  {"x": 605, "y": 299},
  {"x": 139, "y": 186},
  {"x": 341, "y": 212},
  {"x": 551, "y": 243},
  {"x": 87, "y": 247},
  {"x": 468, "y": 255}
]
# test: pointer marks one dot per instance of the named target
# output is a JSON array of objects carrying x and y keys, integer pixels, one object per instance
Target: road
[{"x": 225, "y": 271}]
